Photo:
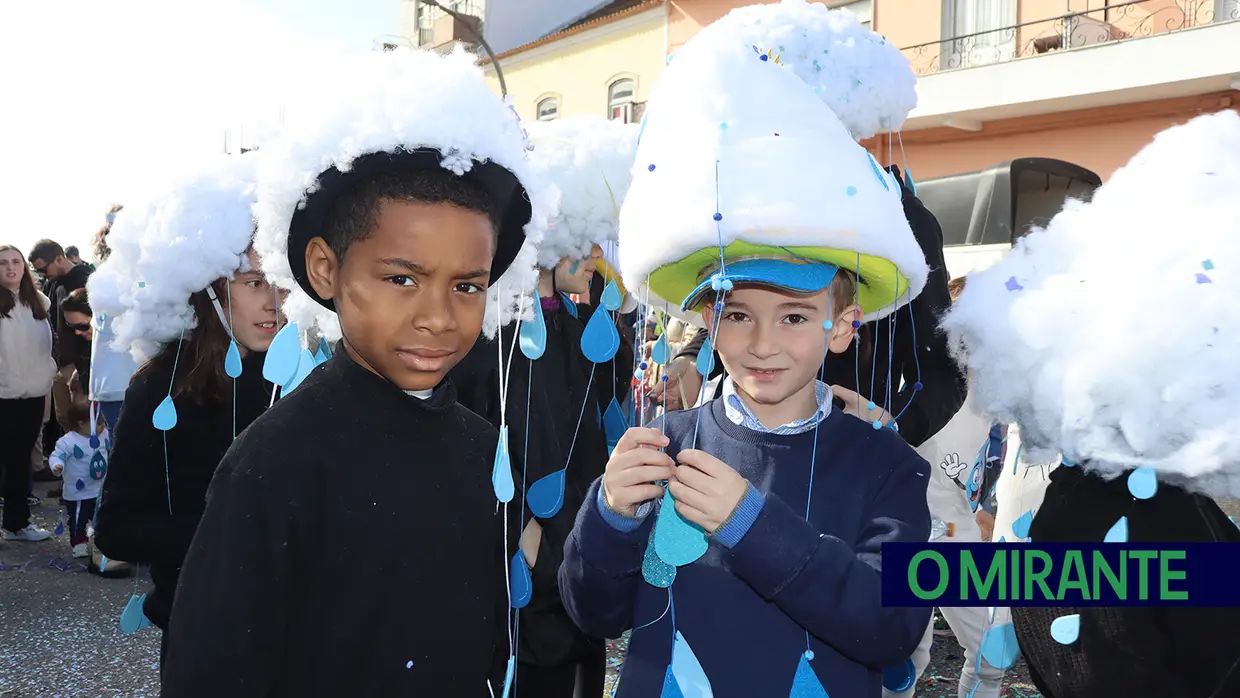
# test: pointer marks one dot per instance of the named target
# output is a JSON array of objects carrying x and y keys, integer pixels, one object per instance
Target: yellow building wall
[{"x": 580, "y": 73}]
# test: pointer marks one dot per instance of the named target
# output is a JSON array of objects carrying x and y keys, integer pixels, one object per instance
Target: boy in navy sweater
[{"x": 741, "y": 541}]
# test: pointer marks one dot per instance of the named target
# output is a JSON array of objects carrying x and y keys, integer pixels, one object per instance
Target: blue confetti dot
[
  {"x": 651, "y": 168},
  {"x": 642, "y": 366},
  {"x": 664, "y": 377},
  {"x": 141, "y": 284},
  {"x": 723, "y": 126},
  {"x": 763, "y": 57},
  {"x": 718, "y": 216},
  {"x": 851, "y": 191}
]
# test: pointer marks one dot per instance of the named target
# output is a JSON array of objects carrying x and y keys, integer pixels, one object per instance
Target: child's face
[
  {"x": 411, "y": 296},
  {"x": 574, "y": 275},
  {"x": 772, "y": 342},
  {"x": 253, "y": 307}
]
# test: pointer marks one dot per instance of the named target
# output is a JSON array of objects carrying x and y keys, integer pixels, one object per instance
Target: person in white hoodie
[
  {"x": 961, "y": 455},
  {"x": 26, "y": 370}
]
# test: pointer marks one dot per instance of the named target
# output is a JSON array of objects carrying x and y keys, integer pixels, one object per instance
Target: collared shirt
[{"x": 740, "y": 414}]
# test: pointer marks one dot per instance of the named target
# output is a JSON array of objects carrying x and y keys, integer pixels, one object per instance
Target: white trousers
[{"x": 977, "y": 678}]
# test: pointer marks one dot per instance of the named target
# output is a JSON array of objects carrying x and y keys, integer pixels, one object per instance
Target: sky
[{"x": 97, "y": 98}]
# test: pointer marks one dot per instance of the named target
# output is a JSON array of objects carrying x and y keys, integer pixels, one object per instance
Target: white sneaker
[
  {"x": 30, "y": 534},
  {"x": 79, "y": 550}
]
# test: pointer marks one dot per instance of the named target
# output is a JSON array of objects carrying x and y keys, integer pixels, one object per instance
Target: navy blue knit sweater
[{"x": 745, "y": 610}]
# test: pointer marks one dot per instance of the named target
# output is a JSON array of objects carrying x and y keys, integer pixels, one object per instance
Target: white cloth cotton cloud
[
  {"x": 381, "y": 101},
  {"x": 170, "y": 245},
  {"x": 1112, "y": 335}
]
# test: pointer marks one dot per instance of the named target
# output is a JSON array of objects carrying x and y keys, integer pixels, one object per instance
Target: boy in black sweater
[{"x": 352, "y": 543}]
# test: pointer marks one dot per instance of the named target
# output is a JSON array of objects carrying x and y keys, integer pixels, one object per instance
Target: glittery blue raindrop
[
  {"x": 501, "y": 473},
  {"x": 232, "y": 360},
  {"x": 614, "y": 423},
  {"x": 546, "y": 496},
  {"x": 1117, "y": 533},
  {"x": 533, "y": 336},
  {"x": 1066, "y": 629},
  {"x": 654, "y": 570},
  {"x": 999, "y": 646},
  {"x": 600, "y": 339},
  {"x": 670, "y": 688},
  {"x": 612, "y": 298},
  {"x": 1142, "y": 483},
  {"x": 60, "y": 527},
  {"x": 165, "y": 416},
  {"x": 283, "y": 355},
  {"x": 677, "y": 541},
  {"x": 661, "y": 353},
  {"x": 805, "y": 683},
  {"x": 706, "y": 358},
  {"x": 522, "y": 584},
  {"x": 131, "y": 616}
]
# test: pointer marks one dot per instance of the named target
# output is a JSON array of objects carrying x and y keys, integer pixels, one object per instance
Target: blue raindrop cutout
[
  {"x": 660, "y": 353},
  {"x": 165, "y": 416},
  {"x": 501, "y": 474},
  {"x": 655, "y": 571},
  {"x": 677, "y": 542},
  {"x": 900, "y": 678},
  {"x": 98, "y": 466},
  {"x": 79, "y": 485},
  {"x": 690, "y": 678},
  {"x": 600, "y": 340},
  {"x": 569, "y": 304},
  {"x": 612, "y": 298},
  {"x": 322, "y": 354},
  {"x": 145, "y": 622},
  {"x": 999, "y": 646},
  {"x": 1020, "y": 527},
  {"x": 522, "y": 585},
  {"x": 614, "y": 423},
  {"x": 805, "y": 683},
  {"x": 283, "y": 356},
  {"x": 94, "y": 441},
  {"x": 78, "y": 452},
  {"x": 670, "y": 688},
  {"x": 908, "y": 177},
  {"x": 1142, "y": 483},
  {"x": 305, "y": 364},
  {"x": 706, "y": 358},
  {"x": 131, "y": 616},
  {"x": 546, "y": 495},
  {"x": 533, "y": 336},
  {"x": 232, "y": 360},
  {"x": 60, "y": 528},
  {"x": 1066, "y": 629},
  {"x": 1118, "y": 532}
]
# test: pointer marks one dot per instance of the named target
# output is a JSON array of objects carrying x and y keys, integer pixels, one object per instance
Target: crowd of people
[{"x": 410, "y": 400}]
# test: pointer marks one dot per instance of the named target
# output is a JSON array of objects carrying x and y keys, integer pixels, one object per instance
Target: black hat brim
[{"x": 509, "y": 196}]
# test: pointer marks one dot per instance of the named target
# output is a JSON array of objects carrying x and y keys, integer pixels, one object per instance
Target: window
[
  {"x": 980, "y": 32},
  {"x": 620, "y": 100},
  {"x": 548, "y": 109},
  {"x": 864, "y": 9}
]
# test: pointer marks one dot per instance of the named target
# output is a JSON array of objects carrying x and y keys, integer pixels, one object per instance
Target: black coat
[{"x": 920, "y": 353}]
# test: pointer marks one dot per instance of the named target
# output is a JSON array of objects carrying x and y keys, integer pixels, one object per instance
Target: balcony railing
[{"x": 1118, "y": 22}]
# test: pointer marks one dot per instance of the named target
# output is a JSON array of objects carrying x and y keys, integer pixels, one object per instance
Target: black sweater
[
  {"x": 920, "y": 352},
  {"x": 351, "y": 546},
  {"x": 134, "y": 522},
  {"x": 1135, "y": 652},
  {"x": 560, "y": 378}
]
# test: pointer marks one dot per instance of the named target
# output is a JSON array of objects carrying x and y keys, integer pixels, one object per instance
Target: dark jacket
[
  {"x": 1139, "y": 651},
  {"x": 920, "y": 353},
  {"x": 557, "y": 399},
  {"x": 152, "y": 502},
  {"x": 57, "y": 290}
]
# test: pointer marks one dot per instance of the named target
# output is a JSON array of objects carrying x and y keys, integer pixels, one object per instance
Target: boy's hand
[
  {"x": 682, "y": 385},
  {"x": 706, "y": 489},
  {"x": 859, "y": 407},
  {"x": 57, "y": 468},
  {"x": 635, "y": 466}
]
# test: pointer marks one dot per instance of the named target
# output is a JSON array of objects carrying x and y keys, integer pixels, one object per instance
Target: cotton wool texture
[
  {"x": 866, "y": 81},
  {"x": 170, "y": 245},
  {"x": 1113, "y": 334},
  {"x": 590, "y": 160},
  {"x": 383, "y": 101}
]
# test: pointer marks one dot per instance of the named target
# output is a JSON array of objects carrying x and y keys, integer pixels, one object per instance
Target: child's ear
[
  {"x": 842, "y": 331},
  {"x": 708, "y": 314},
  {"x": 322, "y": 267}
]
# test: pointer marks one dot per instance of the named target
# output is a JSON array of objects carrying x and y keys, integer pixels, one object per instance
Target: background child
[{"x": 83, "y": 468}]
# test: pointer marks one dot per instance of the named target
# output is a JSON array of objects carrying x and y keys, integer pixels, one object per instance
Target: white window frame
[
  {"x": 864, "y": 9},
  {"x": 621, "y": 107},
  {"x": 554, "y": 112}
]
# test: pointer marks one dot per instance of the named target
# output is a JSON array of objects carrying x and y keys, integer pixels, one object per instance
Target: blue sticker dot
[
  {"x": 856, "y": 324},
  {"x": 763, "y": 57},
  {"x": 851, "y": 191},
  {"x": 651, "y": 168},
  {"x": 877, "y": 425},
  {"x": 718, "y": 216}
]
